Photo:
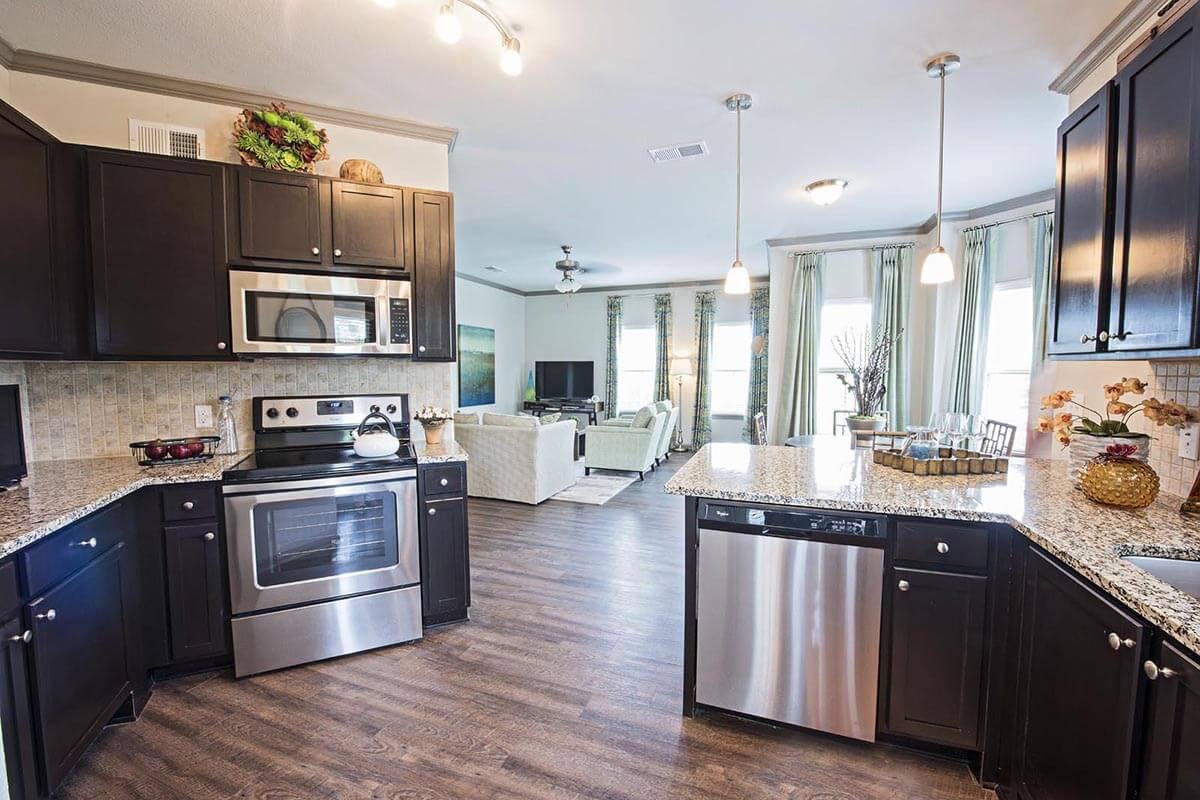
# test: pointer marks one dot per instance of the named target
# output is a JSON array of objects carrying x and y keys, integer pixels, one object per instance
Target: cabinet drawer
[
  {"x": 942, "y": 545},
  {"x": 446, "y": 479},
  {"x": 55, "y": 558},
  {"x": 10, "y": 590},
  {"x": 195, "y": 501}
]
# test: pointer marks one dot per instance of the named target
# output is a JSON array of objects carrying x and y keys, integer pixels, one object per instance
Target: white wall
[
  {"x": 88, "y": 113},
  {"x": 504, "y": 312},
  {"x": 5, "y": 90}
]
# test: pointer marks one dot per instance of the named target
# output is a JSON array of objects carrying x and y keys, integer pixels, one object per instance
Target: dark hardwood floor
[{"x": 565, "y": 684}]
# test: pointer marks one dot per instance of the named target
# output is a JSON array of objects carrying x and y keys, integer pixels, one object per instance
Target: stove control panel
[{"x": 288, "y": 413}]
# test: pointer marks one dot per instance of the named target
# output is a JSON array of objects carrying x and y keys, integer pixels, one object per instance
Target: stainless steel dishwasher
[{"x": 788, "y": 606}]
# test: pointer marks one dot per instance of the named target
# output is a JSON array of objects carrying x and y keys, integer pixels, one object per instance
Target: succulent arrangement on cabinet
[{"x": 277, "y": 138}]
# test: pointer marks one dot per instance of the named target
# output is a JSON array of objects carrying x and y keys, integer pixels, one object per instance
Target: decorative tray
[
  {"x": 949, "y": 462},
  {"x": 173, "y": 452}
]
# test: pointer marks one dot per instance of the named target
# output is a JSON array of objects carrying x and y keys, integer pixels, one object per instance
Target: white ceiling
[{"x": 559, "y": 154}]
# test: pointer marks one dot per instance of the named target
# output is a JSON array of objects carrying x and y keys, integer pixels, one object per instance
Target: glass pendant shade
[
  {"x": 448, "y": 28},
  {"x": 737, "y": 280},
  {"x": 938, "y": 268},
  {"x": 510, "y": 57}
]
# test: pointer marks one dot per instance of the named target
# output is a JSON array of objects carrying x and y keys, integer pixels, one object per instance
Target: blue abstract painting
[{"x": 476, "y": 366}]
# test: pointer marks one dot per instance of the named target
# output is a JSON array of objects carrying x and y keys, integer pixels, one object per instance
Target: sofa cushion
[
  {"x": 509, "y": 420},
  {"x": 663, "y": 405},
  {"x": 550, "y": 419},
  {"x": 644, "y": 418},
  {"x": 466, "y": 418}
]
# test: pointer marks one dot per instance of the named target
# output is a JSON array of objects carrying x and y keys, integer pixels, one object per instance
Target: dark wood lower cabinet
[
  {"x": 1171, "y": 767},
  {"x": 16, "y": 720},
  {"x": 199, "y": 623},
  {"x": 1078, "y": 700},
  {"x": 937, "y": 656},
  {"x": 445, "y": 552}
]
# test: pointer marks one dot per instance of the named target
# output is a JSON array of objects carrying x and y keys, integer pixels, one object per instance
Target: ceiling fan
[{"x": 569, "y": 268}]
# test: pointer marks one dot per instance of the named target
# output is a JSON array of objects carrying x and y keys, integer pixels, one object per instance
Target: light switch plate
[
  {"x": 1189, "y": 441},
  {"x": 204, "y": 416}
]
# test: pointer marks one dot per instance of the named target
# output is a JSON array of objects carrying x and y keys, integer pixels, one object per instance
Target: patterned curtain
[
  {"x": 760, "y": 313},
  {"x": 616, "y": 305},
  {"x": 662, "y": 346},
  {"x": 889, "y": 311},
  {"x": 1043, "y": 251},
  {"x": 706, "y": 305},
  {"x": 798, "y": 394},
  {"x": 974, "y": 306}
]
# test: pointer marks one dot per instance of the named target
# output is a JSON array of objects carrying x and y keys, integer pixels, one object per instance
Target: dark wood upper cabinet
[
  {"x": 1171, "y": 769},
  {"x": 1079, "y": 694},
  {"x": 30, "y": 323},
  {"x": 368, "y": 226},
  {"x": 1083, "y": 227},
  {"x": 279, "y": 216},
  {"x": 158, "y": 256},
  {"x": 937, "y": 656},
  {"x": 1158, "y": 194},
  {"x": 433, "y": 277},
  {"x": 195, "y": 591}
]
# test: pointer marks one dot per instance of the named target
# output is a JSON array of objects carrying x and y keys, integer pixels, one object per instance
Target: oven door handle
[{"x": 351, "y": 481}]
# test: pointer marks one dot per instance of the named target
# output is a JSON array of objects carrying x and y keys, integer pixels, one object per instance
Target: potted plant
[
  {"x": 865, "y": 354},
  {"x": 1090, "y": 433},
  {"x": 432, "y": 419}
]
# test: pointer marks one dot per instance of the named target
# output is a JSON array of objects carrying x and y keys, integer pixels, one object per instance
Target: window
[
  {"x": 635, "y": 368},
  {"x": 1009, "y": 358},
  {"x": 730, "y": 368},
  {"x": 837, "y": 318}
]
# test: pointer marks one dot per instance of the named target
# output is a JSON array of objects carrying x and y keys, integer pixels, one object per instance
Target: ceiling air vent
[
  {"x": 166, "y": 140},
  {"x": 678, "y": 151}
]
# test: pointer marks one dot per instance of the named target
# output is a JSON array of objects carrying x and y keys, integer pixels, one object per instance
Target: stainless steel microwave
[{"x": 306, "y": 314}]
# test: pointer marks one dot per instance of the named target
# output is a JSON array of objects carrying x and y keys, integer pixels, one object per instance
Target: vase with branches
[{"x": 866, "y": 355}]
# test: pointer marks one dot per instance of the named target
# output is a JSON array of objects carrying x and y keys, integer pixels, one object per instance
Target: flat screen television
[
  {"x": 12, "y": 440},
  {"x": 565, "y": 380}
]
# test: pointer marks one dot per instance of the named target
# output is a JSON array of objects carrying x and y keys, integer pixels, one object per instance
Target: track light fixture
[{"x": 449, "y": 29}]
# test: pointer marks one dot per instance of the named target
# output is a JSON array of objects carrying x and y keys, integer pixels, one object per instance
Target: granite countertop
[
  {"x": 1036, "y": 497},
  {"x": 439, "y": 453}
]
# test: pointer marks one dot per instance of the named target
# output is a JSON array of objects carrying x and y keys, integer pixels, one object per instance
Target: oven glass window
[
  {"x": 299, "y": 540},
  {"x": 310, "y": 318}
]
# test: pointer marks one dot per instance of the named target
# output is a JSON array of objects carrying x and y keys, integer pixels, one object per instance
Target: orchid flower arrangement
[{"x": 1117, "y": 412}]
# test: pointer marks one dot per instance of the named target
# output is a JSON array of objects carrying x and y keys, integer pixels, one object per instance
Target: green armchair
[{"x": 628, "y": 447}]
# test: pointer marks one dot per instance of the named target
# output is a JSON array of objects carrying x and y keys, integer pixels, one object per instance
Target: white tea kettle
[{"x": 372, "y": 441}]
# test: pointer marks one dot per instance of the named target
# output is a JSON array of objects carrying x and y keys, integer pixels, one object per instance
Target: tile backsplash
[
  {"x": 86, "y": 410},
  {"x": 1179, "y": 381}
]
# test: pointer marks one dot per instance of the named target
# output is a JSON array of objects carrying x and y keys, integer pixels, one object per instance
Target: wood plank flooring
[{"x": 565, "y": 684}]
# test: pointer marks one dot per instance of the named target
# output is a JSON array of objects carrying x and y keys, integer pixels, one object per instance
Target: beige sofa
[{"x": 516, "y": 458}]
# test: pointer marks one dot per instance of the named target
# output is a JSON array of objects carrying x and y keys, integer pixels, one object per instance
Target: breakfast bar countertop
[{"x": 1036, "y": 497}]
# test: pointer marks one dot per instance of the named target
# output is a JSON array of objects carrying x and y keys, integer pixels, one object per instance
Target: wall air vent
[
  {"x": 677, "y": 151},
  {"x": 166, "y": 140}
]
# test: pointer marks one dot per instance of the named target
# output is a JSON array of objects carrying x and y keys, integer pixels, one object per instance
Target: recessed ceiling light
[{"x": 826, "y": 192}]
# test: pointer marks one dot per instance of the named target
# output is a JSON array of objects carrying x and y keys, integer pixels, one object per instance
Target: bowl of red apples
[{"x": 162, "y": 452}]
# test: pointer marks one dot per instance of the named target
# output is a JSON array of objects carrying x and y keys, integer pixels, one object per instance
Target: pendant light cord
[
  {"x": 737, "y": 243},
  {"x": 941, "y": 153}
]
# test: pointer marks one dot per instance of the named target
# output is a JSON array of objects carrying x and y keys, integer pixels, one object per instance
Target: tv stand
[{"x": 592, "y": 410}]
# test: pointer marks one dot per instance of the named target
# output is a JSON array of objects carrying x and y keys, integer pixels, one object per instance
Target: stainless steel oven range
[{"x": 323, "y": 547}]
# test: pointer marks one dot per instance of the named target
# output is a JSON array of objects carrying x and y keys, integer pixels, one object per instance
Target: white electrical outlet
[
  {"x": 1189, "y": 441},
  {"x": 204, "y": 417}
]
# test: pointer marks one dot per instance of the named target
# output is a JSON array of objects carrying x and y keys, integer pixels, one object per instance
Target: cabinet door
[
  {"x": 938, "y": 624},
  {"x": 445, "y": 574},
  {"x": 16, "y": 720},
  {"x": 80, "y": 664},
  {"x": 368, "y": 225},
  {"x": 1081, "y": 662},
  {"x": 29, "y": 312},
  {"x": 195, "y": 591},
  {"x": 1171, "y": 770},
  {"x": 433, "y": 278},
  {"x": 279, "y": 215},
  {"x": 1083, "y": 227},
  {"x": 1158, "y": 193},
  {"x": 158, "y": 256}
]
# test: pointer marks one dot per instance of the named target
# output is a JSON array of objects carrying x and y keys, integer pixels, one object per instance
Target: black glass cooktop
[{"x": 315, "y": 462}]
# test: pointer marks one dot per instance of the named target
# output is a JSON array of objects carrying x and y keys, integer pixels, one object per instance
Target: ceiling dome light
[
  {"x": 826, "y": 192},
  {"x": 448, "y": 27},
  {"x": 510, "y": 57},
  {"x": 938, "y": 268}
]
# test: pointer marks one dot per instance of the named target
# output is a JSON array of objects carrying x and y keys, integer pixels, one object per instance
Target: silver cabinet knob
[
  {"x": 1084, "y": 339},
  {"x": 316, "y": 251},
  {"x": 1154, "y": 671},
  {"x": 337, "y": 252},
  {"x": 188, "y": 505},
  {"x": 421, "y": 349},
  {"x": 208, "y": 537},
  {"x": 943, "y": 548},
  {"x": 87, "y": 542},
  {"x": 432, "y": 511},
  {"x": 903, "y": 586},
  {"x": 48, "y": 616},
  {"x": 1103, "y": 337},
  {"x": 444, "y": 482},
  {"x": 221, "y": 345},
  {"x": 25, "y": 637},
  {"x": 1116, "y": 642}
]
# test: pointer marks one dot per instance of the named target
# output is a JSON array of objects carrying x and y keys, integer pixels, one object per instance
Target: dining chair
[
  {"x": 760, "y": 428},
  {"x": 998, "y": 438}
]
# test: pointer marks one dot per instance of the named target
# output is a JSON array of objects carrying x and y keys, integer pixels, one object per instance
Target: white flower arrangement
[{"x": 432, "y": 415}]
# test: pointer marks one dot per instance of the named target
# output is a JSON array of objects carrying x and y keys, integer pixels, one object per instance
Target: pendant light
[
  {"x": 737, "y": 280},
  {"x": 938, "y": 268}
]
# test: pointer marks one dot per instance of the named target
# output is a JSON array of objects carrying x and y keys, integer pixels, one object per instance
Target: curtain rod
[
  {"x": 1021, "y": 218},
  {"x": 849, "y": 249}
]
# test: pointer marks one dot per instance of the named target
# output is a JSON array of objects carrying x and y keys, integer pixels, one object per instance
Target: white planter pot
[
  {"x": 1084, "y": 447},
  {"x": 862, "y": 428}
]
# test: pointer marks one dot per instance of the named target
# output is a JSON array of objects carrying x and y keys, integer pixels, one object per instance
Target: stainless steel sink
[{"x": 1183, "y": 575}]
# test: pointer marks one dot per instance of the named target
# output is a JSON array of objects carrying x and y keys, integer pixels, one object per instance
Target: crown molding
[
  {"x": 1105, "y": 45},
  {"x": 59, "y": 67},
  {"x": 1044, "y": 196},
  {"x": 645, "y": 287},
  {"x": 490, "y": 284}
]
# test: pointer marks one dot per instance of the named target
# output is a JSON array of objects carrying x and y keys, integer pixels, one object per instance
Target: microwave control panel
[{"x": 400, "y": 321}]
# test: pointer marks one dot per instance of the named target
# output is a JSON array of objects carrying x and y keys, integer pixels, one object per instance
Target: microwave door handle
[{"x": 382, "y": 313}]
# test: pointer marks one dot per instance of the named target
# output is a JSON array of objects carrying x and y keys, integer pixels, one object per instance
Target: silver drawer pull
[
  {"x": 421, "y": 349},
  {"x": 432, "y": 511},
  {"x": 903, "y": 586},
  {"x": 208, "y": 537},
  {"x": 943, "y": 548},
  {"x": 86, "y": 543},
  {"x": 188, "y": 505},
  {"x": 1116, "y": 642},
  {"x": 444, "y": 482},
  {"x": 48, "y": 616},
  {"x": 1154, "y": 671},
  {"x": 221, "y": 345},
  {"x": 25, "y": 637},
  {"x": 337, "y": 252},
  {"x": 316, "y": 251}
]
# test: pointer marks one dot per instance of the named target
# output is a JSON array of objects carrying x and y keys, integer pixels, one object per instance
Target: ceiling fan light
[
  {"x": 510, "y": 57},
  {"x": 826, "y": 192},
  {"x": 737, "y": 280},
  {"x": 938, "y": 268},
  {"x": 448, "y": 26},
  {"x": 567, "y": 285}
]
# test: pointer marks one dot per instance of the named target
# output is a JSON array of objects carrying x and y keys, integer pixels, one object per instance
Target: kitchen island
[{"x": 1008, "y": 609}]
